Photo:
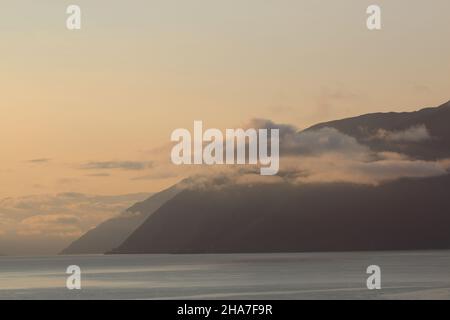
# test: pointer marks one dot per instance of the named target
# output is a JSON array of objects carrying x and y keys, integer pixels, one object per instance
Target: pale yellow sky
[{"x": 113, "y": 91}]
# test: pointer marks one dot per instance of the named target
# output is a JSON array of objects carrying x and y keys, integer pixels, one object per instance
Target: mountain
[
  {"x": 403, "y": 132},
  {"x": 113, "y": 232},
  {"x": 405, "y": 214},
  {"x": 408, "y": 213}
]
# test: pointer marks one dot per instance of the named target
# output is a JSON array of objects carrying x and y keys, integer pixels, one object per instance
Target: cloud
[
  {"x": 315, "y": 156},
  {"x": 326, "y": 156},
  {"x": 259, "y": 123},
  {"x": 40, "y": 160},
  {"x": 67, "y": 180},
  {"x": 42, "y": 223},
  {"x": 98, "y": 175},
  {"x": 417, "y": 133},
  {"x": 338, "y": 168},
  {"x": 71, "y": 195},
  {"x": 156, "y": 176},
  {"x": 123, "y": 165},
  {"x": 325, "y": 141},
  {"x": 60, "y": 225},
  {"x": 316, "y": 142}
]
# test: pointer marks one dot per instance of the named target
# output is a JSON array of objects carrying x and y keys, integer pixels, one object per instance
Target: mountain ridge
[
  {"x": 368, "y": 129},
  {"x": 403, "y": 214},
  {"x": 285, "y": 218},
  {"x": 110, "y": 233}
]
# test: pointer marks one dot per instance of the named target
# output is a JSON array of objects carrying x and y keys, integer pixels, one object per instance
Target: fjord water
[{"x": 405, "y": 275}]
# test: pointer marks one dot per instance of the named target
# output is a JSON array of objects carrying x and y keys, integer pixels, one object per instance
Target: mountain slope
[
  {"x": 367, "y": 128},
  {"x": 113, "y": 232},
  {"x": 401, "y": 214},
  {"x": 405, "y": 214}
]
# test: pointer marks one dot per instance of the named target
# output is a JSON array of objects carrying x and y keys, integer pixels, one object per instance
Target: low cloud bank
[
  {"x": 414, "y": 134},
  {"x": 45, "y": 224},
  {"x": 326, "y": 156}
]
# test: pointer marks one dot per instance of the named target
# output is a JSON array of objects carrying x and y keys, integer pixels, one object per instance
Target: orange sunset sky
[{"x": 88, "y": 111}]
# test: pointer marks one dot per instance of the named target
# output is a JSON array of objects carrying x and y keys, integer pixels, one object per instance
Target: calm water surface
[{"x": 405, "y": 275}]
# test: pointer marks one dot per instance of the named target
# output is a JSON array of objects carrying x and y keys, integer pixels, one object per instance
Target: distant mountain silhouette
[
  {"x": 366, "y": 127},
  {"x": 405, "y": 214},
  {"x": 113, "y": 232}
]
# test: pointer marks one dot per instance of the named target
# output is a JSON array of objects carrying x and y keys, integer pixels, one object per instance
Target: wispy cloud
[
  {"x": 414, "y": 134},
  {"x": 121, "y": 165},
  {"x": 60, "y": 225},
  {"x": 98, "y": 175},
  {"x": 156, "y": 176},
  {"x": 39, "y": 160},
  {"x": 38, "y": 222}
]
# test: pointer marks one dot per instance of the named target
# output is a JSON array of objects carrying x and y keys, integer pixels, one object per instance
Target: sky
[
  {"x": 91, "y": 111},
  {"x": 115, "y": 90}
]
